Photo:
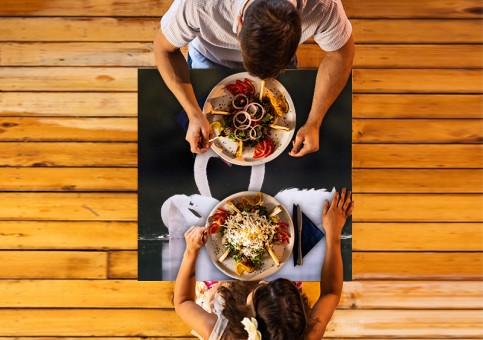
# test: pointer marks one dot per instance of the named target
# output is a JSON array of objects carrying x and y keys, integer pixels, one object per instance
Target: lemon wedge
[{"x": 217, "y": 127}]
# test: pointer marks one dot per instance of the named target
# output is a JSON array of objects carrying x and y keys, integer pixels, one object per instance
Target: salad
[
  {"x": 248, "y": 230},
  {"x": 249, "y": 118}
]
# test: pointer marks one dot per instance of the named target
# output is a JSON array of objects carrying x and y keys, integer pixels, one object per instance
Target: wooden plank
[
  {"x": 416, "y": 181},
  {"x": 86, "y": 294},
  {"x": 68, "y": 235},
  {"x": 417, "y": 31},
  {"x": 40, "y": 154},
  {"x": 68, "y": 206},
  {"x": 68, "y": 129},
  {"x": 416, "y": 266},
  {"x": 57, "y": 104},
  {"x": 354, "y": 8},
  {"x": 78, "y": 29},
  {"x": 68, "y": 179},
  {"x": 430, "y": 236},
  {"x": 77, "y": 54},
  {"x": 416, "y": 131},
  {"x": 418, "y": 208},
  {"x": 136, "y": 322},
  {"x": 68, "y": 79},
  {"x": 151, "y": 294},
  {"x": 85, "y": 8},
  {"x": 416, "y": 106},
  {"x": 310, "y": 55},
  {"x": 399, "y": 56},
  {"x": 411, "y": 31},
  {"x": 52, "y": 265},
  {"x": 123, "y": 265},
  {"x": 416, "y": 156},
  {"x": 413, "y": 9},
  {"x": 416, "y": 81},
  {"x": 428, "y": 56},
  {"x": 92, "y": 323}
]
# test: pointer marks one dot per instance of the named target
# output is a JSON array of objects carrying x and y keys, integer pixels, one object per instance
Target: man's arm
[
  {"x": 332, "y": 75},
  {"x": 331, "y": 279},
  {"x": 174, "y": 70},
  {"x": 184, "y": 291}
]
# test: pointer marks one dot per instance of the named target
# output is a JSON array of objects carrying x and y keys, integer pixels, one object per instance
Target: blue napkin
[
  {"x": 182, "y": 117},
  {"x": 311, "y": 235}
]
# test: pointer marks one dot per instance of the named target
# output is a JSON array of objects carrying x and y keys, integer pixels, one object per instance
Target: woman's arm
[
  {"x": 184, "y": 290},
  {"x": 331, "y": 280}
]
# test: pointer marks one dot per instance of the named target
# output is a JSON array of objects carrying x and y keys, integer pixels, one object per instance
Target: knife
[{"x": 299, "y": 223}]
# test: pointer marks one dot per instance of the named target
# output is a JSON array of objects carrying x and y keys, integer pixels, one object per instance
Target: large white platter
[
  {"x": 215, "y": 248},
  {"x": 219, "y": 99}
]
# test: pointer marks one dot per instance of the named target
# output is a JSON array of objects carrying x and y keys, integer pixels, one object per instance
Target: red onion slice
[
  {"x": 239, "y": 97},
  {"x": 256, "y": 111},
  {"x": 242, "y": 120}
]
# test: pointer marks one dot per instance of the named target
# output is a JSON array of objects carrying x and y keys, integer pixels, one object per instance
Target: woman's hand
[
  {"x": 196, "y": 238},
  {"x": 335, "y": 214}
]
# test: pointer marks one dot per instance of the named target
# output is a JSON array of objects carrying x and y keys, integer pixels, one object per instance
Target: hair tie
[{"x": 251, "y": 326}]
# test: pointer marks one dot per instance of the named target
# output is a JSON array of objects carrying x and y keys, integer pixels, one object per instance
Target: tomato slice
[
  {"x": 233, "y": 89},
  {"x": 250, "y": 87},
  {"x": 260, "y": 149},
  {"x": 213, "y": 228}
]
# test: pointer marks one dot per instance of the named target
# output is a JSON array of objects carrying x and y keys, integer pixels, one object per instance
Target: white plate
[
  {"x": 219, "y": 99},
  {"x": 267, "y": 267}
]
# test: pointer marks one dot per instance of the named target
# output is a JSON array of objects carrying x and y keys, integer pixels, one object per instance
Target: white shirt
[{"x": 210, "y": 28}]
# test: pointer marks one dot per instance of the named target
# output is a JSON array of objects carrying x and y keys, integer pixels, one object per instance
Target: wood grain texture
[
  {"x": 416, "y": 81},
  {"x": 68, "y": 129},
  {"x": 68, "y": 179},
  {"x": 41, "y": 154},
  {"x": 58, "y": 104},
  {"x": 401, "y": 56},
  {"x": 417, "y": 181},
  {"x": 143, "y": 30},
  {"x": 418, "y": 208},
  {"x": 417, "y": 106},
  {"x": 150, "y": 294},
  {"x": 310, "y": 55},
  {"x": 68, "y": 79},
  {"x": 416, "y": 266},
  {"x": 417, "y": 236},
  {"x": 86, "y": 8},
  {"x": 416, "y": 156},
  {"x": 354, "y": 8},
  {"x": 68, "y": 206},
  {"x": 68, "y": 235},
  {"x": 146, "y": 322},
  {"x": 423, "y": 131},
  {"x": 413, "y": 9},
  {"x": 123, "y": 265},
  {"x": 419, "y": 31},
  {"x": 52, "y": 265},
  {"x": 78, "y": 29}
]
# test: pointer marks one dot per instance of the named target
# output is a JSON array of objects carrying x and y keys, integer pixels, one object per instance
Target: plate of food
[
  {"x": 251, "y": 235},
  {"x": 253, "y": 120}
]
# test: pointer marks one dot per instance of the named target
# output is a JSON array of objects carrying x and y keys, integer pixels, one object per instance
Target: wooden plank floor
[{"x": 68, "y": 177}]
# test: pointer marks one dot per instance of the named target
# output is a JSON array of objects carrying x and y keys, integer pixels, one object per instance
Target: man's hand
[
  {"x": 335, "y": 214},
  {"x": 306, "y": 141},
  {"x": 199, "y": 133}
]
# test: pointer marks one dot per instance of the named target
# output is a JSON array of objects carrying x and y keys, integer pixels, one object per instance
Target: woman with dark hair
[{"x": 264, "y": 310}]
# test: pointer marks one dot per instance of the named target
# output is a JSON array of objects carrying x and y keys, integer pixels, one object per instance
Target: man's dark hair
[{"x": 269, "y": 37}]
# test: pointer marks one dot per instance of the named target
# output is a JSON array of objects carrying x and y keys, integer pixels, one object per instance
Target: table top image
[{"x": 178, "y": 189}]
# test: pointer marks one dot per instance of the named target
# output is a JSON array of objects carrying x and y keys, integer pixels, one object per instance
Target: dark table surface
[{"x": 165, "y": 163}]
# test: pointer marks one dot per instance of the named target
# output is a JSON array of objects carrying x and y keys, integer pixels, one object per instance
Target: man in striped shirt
[{"x": 260, "y": 36}]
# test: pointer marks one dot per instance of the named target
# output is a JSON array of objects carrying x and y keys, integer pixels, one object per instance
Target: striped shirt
[{"x": 210, "y": 28}]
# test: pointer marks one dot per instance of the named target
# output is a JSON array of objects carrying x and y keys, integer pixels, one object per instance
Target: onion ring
[
  {"x": 240, "y": 95},
  {"x": 235, "y": 133},
  {"x": 242, "y": 120},
  {"x": 252, "y": 110}
]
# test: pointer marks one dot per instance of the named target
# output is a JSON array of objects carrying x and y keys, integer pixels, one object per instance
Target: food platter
[
  {"x": 267, "y": 266},
  {"x": 219, "y": 99}
]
